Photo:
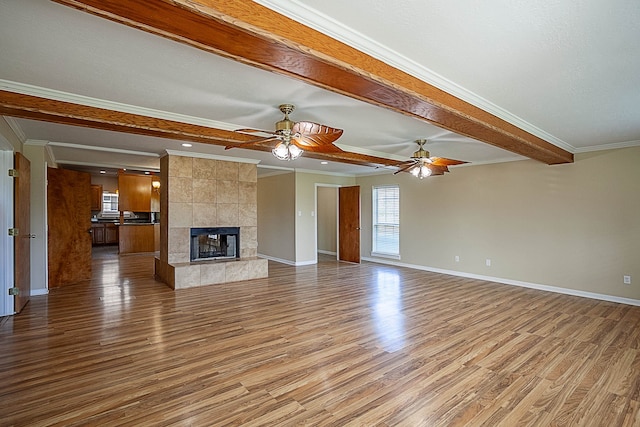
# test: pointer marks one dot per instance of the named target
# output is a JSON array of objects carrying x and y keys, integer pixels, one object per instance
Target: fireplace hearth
[{"x": 215, "y": 243}]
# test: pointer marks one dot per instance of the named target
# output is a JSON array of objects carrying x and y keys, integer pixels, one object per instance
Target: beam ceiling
[{"x": 255, "y": 35}]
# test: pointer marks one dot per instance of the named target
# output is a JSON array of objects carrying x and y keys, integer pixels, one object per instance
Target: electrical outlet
[
  {"x": 487, "y": 262},
  {"x": 457, "y": 258},
  {"x": 626, "y": 280}
]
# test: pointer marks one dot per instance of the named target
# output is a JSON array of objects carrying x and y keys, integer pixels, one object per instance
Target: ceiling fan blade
[
  {"x": 442, "y": 161},
  {"x": 308, "y": 144},
  {"x": 437, "y": 169},
  {"x": 314, "y": 134},
  {"x": 252, "y": 143},
  {"x": 406, "y": 167}
]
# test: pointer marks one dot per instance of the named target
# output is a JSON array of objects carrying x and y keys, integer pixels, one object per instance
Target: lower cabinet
[
  {"x": 138, "y": 238},
  {"x": 104, "y": 234}
]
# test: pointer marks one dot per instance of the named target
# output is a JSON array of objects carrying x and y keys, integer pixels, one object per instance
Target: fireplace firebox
[{"x": 215, "y": 243}]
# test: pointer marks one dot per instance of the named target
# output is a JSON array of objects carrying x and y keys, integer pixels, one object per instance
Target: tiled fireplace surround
[{"x": 206, "y": 192}]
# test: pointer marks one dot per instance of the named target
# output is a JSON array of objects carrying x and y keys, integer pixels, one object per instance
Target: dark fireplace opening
[{"x": 215, "y": 243}]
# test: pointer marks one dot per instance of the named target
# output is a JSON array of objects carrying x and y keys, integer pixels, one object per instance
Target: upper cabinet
[
  {"x": 134, "y": 192},
  {"x": 96, "y": 197}
]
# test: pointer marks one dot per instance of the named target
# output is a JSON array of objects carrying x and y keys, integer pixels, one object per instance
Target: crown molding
[
  {"x": 211, "y": 157},
  {"x": 26, "y": 89},
  {"x": 280, "y": 168},
  {"x": 36, "y": 142},
  {"x": 613, "y": 146},
  {"x": 337, "y": 30},
  {"x": 104, "y": 149},
  {"x": 15, "y": 127}
]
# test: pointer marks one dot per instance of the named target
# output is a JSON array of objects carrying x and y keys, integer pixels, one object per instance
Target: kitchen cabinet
[
  {"x": 97, "y": 234},
  {"x": 96, "y": 197},
  {"x": 134, "y": 192},
  {"x": 104, "y": 234},
  {"x": 110, "y": 234},
  {"x": 136, "y": 238}
]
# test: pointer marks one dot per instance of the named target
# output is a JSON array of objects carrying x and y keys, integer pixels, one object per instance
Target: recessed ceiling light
[
  {"x": 147, "y": 173},
  {"x": 324, "y": 163},
  {"x": 186, "y": 144},
  {"x": 103, "y": 171}
]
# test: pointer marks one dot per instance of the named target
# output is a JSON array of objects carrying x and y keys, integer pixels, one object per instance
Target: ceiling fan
[
  {"x": 294, "y": 138},
  {"x": 422, "y": 166}
]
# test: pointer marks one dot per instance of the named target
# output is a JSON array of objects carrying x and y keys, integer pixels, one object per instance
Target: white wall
[{"x": 574, "y": 226}]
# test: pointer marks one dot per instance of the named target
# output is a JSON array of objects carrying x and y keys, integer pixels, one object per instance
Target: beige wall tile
[
  {"x": 205, "y": 215},
  {"x": 248, "y": 215},
  {"x": 204, "y": 168},
  {"x": 178, "y": 258},
  {"x": 205, "y": 191},
  {"x": 187, "y": 276},
  {"x": 227, "y": 214},
  {"x": 181, "y": 166},
  {"x": 212, "y": 273},
  {"x": 180, "y": 214},
  {"x": 226, "y": 171},
  {"x": 247, "y": 172},
  {"x": 227, "y": 191},
  {"x": 248, "y": 253},
  {"x": 247, "y": 192},
  {"x": 236, "y": 271},
  {"x": 248, "y": 237},
  {"x": 180, "y": 190},
  {"x": 179, "y": 241},
  {"x": 258, "y": 268}
]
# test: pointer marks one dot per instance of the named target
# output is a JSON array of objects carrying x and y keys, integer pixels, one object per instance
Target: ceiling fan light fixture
[
  {"x": 421, "y": 171},
  {"x": 286, "y": 151}
]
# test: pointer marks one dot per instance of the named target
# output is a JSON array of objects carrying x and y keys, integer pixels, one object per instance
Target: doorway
[
  {"x": 327, "y": 220},
  {"x": 338, "y": 222}
]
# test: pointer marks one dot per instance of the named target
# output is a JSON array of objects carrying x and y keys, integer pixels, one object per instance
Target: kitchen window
[{"x": 386, "y": 221}]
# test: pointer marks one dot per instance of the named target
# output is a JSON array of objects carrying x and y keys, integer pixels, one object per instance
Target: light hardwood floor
[{"x": 330, "y": 344}]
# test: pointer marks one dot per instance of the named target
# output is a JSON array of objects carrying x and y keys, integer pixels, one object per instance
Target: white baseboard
[
  {"x": 288, "y": 262},
  {"x": 558, "y": 290},
  {"x": 35, "y": 292},
  {"x": 327, "y": 252}
]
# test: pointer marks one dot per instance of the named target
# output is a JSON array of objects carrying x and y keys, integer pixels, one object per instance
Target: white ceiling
[{"x": 568, "y": 72}]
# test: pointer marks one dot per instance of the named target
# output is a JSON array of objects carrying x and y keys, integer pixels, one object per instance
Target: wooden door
[
  {"x": 69, "y": 222},
  {"x": 349, "y": 224},
  {"x": 22, "y": 221}
]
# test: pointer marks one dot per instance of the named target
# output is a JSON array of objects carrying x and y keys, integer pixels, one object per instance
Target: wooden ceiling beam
[
  {"x": 250, "y": 33},
  {"x": 49, "y": 110}
]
